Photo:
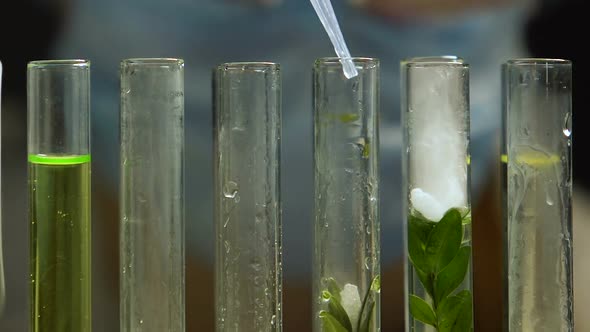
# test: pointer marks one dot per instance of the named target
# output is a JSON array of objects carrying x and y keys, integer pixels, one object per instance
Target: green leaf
[
  {"x": 421, "y": 226},
  {"x": 337, "y": 311},
  {"x": 455, "y": 313},
  {"x": 331, "y": 324},
  {"x": 348, "y": 117},
  {"x": 427, "y": 281},
  {"x": 418, "y": 232},
  {"x": 333, "y": 288},
  {"x": 368, "y": 305},
  {"x": 444, "y": 241},
  {"x": 365, "y": 326},
  {"x": 465, "y": 216},
  {"x": 366, "y": 150},
  {"x": 422, "y": 311},
  {"x": 453, "y": 275}
]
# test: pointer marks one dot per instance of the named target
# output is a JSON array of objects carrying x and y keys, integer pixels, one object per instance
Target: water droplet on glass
[
  {"x": 227, "y": 220},
  {"x": 230, "y": 190},
  {"x": 361, "y": 145},
  {"x": 567, "y": 125},
  {"x": 355, "y": 86},
  {"x": 525, "y": 131},
  {"x": 259, "y": 217},
  {"x": 549, "y": 193},
  {"x": 238, "y": 127},
  {"x": 256, "y": 266}
]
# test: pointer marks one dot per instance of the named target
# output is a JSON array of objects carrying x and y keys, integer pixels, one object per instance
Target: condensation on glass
[
  {"x": 346, "y": 267},
  {"x": 437, "y": 212},
  {"x": 152, "y": 285},
  {"x": 538, "y": 143},
  {"x": 247, "y": 204},
  {"x": 58, "y": 134}
]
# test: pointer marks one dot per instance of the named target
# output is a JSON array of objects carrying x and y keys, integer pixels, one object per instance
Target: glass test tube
[
  {"x": 247, "y": 197},
  {"x": 539, "y": 193},
  {"x": 435, "y": 118},
  {"x": 59, "y": 195},
  {"x": 346, "y": 280},
  {"x": 504, "y": 198},
  {"x": 152, "y": 195},
  {"x": 2, "y": 287}
]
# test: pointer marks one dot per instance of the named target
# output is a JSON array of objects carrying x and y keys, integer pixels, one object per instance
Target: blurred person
[{"x": 207, "y": 32}]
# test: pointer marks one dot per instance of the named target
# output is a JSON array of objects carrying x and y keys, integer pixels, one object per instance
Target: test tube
[
  {"x": 2, "y": 287},
  {"x": 152, "y": 195},
  {"x": 247, "y": 207},
  {"x": 346, "y": 268},
  {"x": 58, "y": 100},
  {"x": 435, "y": 163},
  {"x": 539, "y": 193}
]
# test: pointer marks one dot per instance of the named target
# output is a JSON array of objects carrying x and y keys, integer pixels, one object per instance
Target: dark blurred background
[{"x": 206, "y": 32}]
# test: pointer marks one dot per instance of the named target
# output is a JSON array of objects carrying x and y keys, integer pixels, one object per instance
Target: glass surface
[
  {"x": 152, "y": 284},
  {"x": 2, "y": 287},
  {"x": 247, "y": 204},
  {"x": 435, "y": 118},
  {"x": 58, "y": 93},
  {"x": 346, "y": 279},
  {"x": 538, "y": 128}
]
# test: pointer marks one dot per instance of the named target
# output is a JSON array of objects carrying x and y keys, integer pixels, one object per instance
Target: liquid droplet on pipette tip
[{"x": 325, "y": 12}]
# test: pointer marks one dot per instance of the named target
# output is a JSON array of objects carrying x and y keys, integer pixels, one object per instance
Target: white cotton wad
[
  {"x": 351, "y": 302},
  {"x": 438, "y": 163}
]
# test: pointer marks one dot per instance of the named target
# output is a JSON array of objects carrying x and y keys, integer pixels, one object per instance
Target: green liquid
[{"x": 59, "y": 215}]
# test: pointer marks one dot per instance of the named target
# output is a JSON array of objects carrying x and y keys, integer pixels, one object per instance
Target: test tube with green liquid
[{"x": 58, "y": 102}]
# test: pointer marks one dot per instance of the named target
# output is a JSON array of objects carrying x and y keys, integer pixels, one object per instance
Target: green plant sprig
[
  {"x": 441, "y": 263},
  {"x": 335, "y": 319}
]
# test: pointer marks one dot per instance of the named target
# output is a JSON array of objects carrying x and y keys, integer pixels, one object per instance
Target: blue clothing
[{"x": 208, "y": 32}]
